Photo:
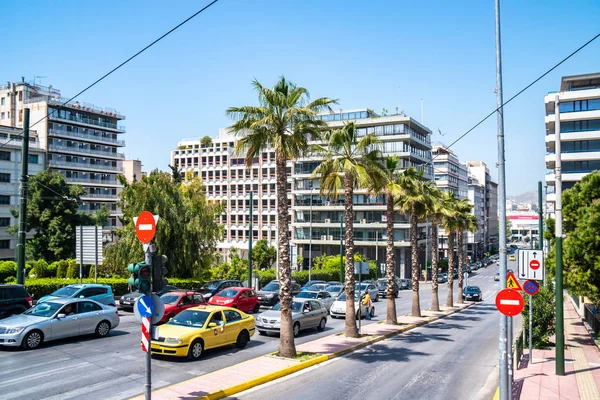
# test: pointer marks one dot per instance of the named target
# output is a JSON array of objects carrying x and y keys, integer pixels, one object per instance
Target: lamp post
[
  {"x": 310, "y": 238},
  {"x": 341, "y": 248}
]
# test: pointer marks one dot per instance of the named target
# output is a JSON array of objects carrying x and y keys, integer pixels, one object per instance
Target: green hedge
[
  {"x": 301, "y": 277},
  {"x": 41, "y": 287}
]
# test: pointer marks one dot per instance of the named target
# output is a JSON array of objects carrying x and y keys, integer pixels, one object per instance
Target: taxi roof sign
[{"x": 512, "y": 282}]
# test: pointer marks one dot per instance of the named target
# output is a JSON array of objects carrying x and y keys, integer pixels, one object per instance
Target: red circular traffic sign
[
  {"x": 531, "y": 287},
  {"x": 509, "y": 302},
  {"x": 534, "y": 264},
  {"x": 145, "y": 227}
]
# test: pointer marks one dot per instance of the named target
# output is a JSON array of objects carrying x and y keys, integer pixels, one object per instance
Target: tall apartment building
[
  {"x": 11, "y": 142},
  {"x": 81, "y": 140},
  {"x": 480, "y": 171},
  {"x": 316, "y": 219},
  {"x": 579, "y": 105},
  {"x": 475, "y": 240}
]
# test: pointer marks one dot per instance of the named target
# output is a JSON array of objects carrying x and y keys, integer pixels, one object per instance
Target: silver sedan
[
  {"x": 57, "y": 319},
  {"x": 324, "y": 297},
  {"x": 306, "y": 314}
]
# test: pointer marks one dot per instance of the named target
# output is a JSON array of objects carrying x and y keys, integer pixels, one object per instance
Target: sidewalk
[
  {"x": 257, "y": 371},
  {"x": 582, "y": 367}
]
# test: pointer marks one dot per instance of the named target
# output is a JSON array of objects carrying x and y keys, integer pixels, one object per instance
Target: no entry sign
[
  {"x": 145, "y": 226},
  {"x": 509, "y": 302}
]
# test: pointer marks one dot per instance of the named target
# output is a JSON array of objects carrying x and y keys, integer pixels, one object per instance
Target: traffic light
[
  {"x": 141, "y": 279},
  {"x": 159, "y": 271}
]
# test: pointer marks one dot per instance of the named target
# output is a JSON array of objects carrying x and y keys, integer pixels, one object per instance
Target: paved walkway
[
  {"x": 582, "y": 367},
  {"x": 245, "y": 375}
]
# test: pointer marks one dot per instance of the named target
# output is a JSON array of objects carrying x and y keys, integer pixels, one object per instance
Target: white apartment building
[
  {"x": 475, "y": 240},
  {"x": 81, "y": 140},
  {"x": 480, "y": 171},
  {"x": 10, "y": 175},
  {"x": 579, "y": 104},
  {"x": 523, "y": 225}
]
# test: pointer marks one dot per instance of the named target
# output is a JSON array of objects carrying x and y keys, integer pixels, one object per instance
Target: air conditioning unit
[
  {"x": 330, "y": 237},
  {"x": 363, "y": 221},
  {"x": 323, "y": 237},
  {"x": 327, "y": 221}
]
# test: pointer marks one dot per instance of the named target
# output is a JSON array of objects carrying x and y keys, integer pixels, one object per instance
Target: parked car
[
  {"x": 269, "y": 295},
  {"x": 371, "y": 288},
  {"x": 127, "y": 301},
  {"x": 335, "y": 290},
  {"x": 324, "y": 297},
  {"x": 382, "y": 288},
  {"x": 244, "y": 299},
  {"x": 100, "y": 293},
  {"x": 310, "y": 283},
  {"x": 472, "y": 293},
  {"x": 442, "y": 279},
  {"x": 497, "y": 276},
  {"x": 176, "y": 302},
  {"x": 14, "y": 299},
  {"x": 317, "y": 287},
  {"x": 338, "y": 308},
  {"x": 202, "y": 327},
  {"x": 306, "y": 314},
  {"x": 210, "y": 288},
  {"x": 404, "y": 284},
  {"x": 334, "y": 283},
  {"x": 58, "y": 318}
]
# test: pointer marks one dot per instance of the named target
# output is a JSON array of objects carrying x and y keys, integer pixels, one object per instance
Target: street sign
[
  {"x": 158, "y": 312},
  {"x": 145, "y": 226},
  {"x": 88, "y": 245},
  {"x": 531, "y": 264},
  {"x": 361, "y": 268},
  {"x": 509, "y": 302},
  {"x": 512, "y": 282},
  {"x": 145, "y": 306},
  {"x": 531, "y": 287}
]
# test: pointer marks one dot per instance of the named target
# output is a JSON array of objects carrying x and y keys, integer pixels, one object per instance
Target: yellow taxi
[
  {"x": 512, "y": 258},
  {"x": 196, "y": 329}
]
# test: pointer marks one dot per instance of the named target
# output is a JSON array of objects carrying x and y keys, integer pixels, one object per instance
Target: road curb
[{"x": 318, "y": 360}]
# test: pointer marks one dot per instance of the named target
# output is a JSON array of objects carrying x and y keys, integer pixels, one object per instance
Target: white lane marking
[
  {"x": 145, "y": 227},
  {"x": 42, "y": 374},
  {"x": 94, "y": 387},
  {"x": 509, "y": 302}
]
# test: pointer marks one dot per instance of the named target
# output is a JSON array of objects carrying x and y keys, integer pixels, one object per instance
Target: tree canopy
[{"x": 263, "y": 255}]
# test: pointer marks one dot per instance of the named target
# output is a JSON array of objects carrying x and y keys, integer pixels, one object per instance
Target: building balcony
[
  {"x": 84, "y": 166},
  {"x": 572, "y": 116},
  {"x": 83, "y": 151},
  {"x": 86, "y": 137},
  {"x": 107, "y": 196},
  {"x": 89, "y": 122},
  {"x": 94, "y": 181},
  {"x": 566, "y": 176}
]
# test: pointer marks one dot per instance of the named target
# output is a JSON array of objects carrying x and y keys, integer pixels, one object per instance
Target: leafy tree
[
  {"x": 186, "y": 232},
  {"x": 284, "y": 121},
  {"x": 175, "y": 174},
  {"x": 466, "y": 222},
  {"x": 349, "y": 162},
  {"x": 234, "y": 269},
  {"x": 52, "y": 214},
  {"x": 206, "y": 141},
  {"x": 263, "y": 255}
]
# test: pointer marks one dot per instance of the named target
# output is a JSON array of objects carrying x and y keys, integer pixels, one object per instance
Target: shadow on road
[{"x": 384, "y": 353}]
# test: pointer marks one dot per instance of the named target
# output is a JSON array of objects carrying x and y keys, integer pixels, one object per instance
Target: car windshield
[
  {"x": 334, "y": 289},
  {"x": 170, "y": 298},
  {"x": 272, "y": 287},
  {"x": 66, "y": 291},
  {"x": 228, "y": 293},
  {"x": 46, "y": 309},
  {"x": 210, "y": 285},
  {"x": 296, "y": 306},
  {"x": 192, "y": 318},
  {"x": 382, "y": 283},
  {"x": 343, "y": 296},
  {"x": 472, "y": 289},
  {"x": 307, "y": 295},
  {"x": 361, "y": 287}
]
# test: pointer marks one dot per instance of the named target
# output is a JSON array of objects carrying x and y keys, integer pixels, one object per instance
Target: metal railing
[
  {"x": 80, "y": 150},
  {"x": 93, "y": 181},
  {"x": 74, "y": 164},
  {"x": 100, "y": 195},
  {"x": 110, "y": 125},
  {"x": 590, "y": 314},
  {"x": 86, "y": 136}
]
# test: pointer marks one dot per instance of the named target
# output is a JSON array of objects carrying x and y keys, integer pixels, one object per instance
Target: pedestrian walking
[{"x": 367, "y": 303}]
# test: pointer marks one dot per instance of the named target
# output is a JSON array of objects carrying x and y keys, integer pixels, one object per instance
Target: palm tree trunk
[
  {"x": 350, "y": 330},
  {"x": 391, "y": 317},
  {"x": 450, "y": 295},
  {"x": 435, "y": 301},
  {"x": 459, "y": 298},
  {"x": 287, "y": 347},
  {"x": 416, "y": 306}
]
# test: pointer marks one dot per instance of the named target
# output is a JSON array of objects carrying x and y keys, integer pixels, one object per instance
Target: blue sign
[
  {"x": 145, "y": 306},
  {"x": 531, "y": 287}
]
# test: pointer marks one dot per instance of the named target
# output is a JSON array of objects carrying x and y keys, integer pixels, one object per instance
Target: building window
[
  {"x": 4, "y": 244},
  {"x": 33, "y": 158},
  {"x": 2, "y": 101},
  {"x": 1, "y": 115},
  {"x": 4, "y": 155},
  {"x": 4, "y": 177},
  {"x": 4, "y": 221},
  {"x": 4, "y": 199}
]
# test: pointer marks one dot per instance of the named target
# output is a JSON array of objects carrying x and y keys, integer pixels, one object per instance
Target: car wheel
[
  {"x": 33, "y": 340},
  {"x": 321, "y": 326},
  {"x": 103, "y": 329},
  {"x": 296, "y": 329},
  {"x": 256, "y": 309},
  {"x": 242, "y": 340},
  {"x": 262, "y": 333},
  {"x": 196, "y": 350}
]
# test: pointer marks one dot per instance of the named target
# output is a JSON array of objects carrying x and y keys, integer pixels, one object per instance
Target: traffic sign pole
[
  {"x": 530, "y": 328},
  {"x": 148, "y": 385}
]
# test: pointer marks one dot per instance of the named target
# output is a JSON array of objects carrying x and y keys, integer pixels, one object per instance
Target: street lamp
[{"x": 310, "y": 238}]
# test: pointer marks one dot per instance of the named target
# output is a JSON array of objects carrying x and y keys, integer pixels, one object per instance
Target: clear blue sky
[{"x": 375, "y": 54}]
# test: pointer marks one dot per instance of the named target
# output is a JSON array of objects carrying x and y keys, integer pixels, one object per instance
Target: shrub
[
  {"x": 7, "y": 269},
  {"x": 52, "y": 269},
  {"x": 61, "y": 271},
  {"x": 544, "y": 319},
  {"x": 72, "y": 271},
  {"x": 40, "y": 269}
]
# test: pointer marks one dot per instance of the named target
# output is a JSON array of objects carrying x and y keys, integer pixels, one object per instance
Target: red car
[
  {"x": 243, "y": 299},
  {"x": 177, "y": 301}
]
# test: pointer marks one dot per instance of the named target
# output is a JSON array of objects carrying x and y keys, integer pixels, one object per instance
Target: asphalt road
[
  {"x": 113, "y": 367},
  {"x": 449, "y": 359}
]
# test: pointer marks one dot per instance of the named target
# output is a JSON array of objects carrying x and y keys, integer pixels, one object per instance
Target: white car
[{"x": 338, "y": 308}]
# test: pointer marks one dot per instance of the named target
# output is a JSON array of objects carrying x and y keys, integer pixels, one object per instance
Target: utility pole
[
  {"x": 503, "y": 345},
  {"x": 250, "y": 245},
  {"x": 310, "y": 239},
  {"x": 23, "y": 200},
  {"x": 540, "y": 218},
  {"x": 560, "y": 322},
  {"x": 341, "y": 248},
  {"x": 149, "y": 248}
]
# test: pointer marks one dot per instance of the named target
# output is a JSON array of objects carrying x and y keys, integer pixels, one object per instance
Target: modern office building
[
  {"x": 316, "y": 219},
  {"x": 579, "y": 105},
  {"x": 523, "y": 224},
  {"x": 11, "y": 143},
  {"x": 81, "y": 140},
  {"x": 480, "y": 171}
]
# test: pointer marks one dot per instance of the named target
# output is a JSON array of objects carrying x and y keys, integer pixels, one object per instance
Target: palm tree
[
  {"x": 467, "y": 222},
  {"x": 451, "y": 225},
  {"x": 349, "y": 163},
  {"x": 412, "y": 201},
  {"x": 284, "y": 121},
  {"x": 435, "y": 213}
]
